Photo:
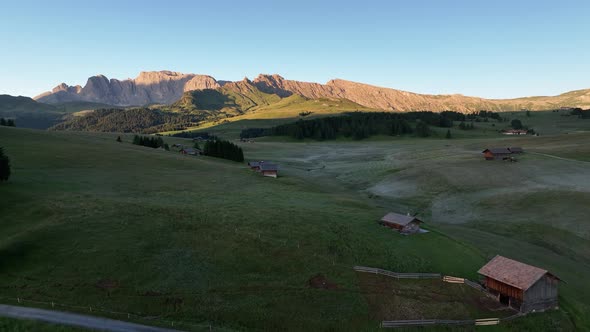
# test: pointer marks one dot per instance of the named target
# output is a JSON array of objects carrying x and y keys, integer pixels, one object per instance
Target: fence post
[{"x": 18, "y": 299}]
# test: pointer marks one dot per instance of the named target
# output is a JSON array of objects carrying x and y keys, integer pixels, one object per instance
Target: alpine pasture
[{"x": 93, "y": 222}]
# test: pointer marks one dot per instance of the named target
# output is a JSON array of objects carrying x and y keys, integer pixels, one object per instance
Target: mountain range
[{"x": 166, "y": 87}]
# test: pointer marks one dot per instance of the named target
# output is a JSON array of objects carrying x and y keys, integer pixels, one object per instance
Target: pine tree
[
  {"x": 136, "y": 140},
  {"x": 448, "y": 136},
  {"x": 119, "y": 139},
  {"x": 4, "y": 166},
  {"x": 10, "y": 123},
  {"x": 2, "y": 122}
]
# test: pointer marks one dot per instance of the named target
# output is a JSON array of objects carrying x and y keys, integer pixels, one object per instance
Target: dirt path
[{"x": 65, "y": 318}]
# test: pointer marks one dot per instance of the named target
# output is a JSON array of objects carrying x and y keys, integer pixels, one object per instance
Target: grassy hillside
[
  {"x": 90, "y": 221},
  {"x": 577, "y": 98},
  {"x": 14, "y": 325},
  {"x": 532, "y": 210}
]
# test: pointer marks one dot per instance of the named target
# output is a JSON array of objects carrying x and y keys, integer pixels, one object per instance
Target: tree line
[
  {"x": 4, "y": 166},
  {"x": 135, "y": 120},
  {"x": 223, "y": 149},
  {"x": 151, "y": 142},
  {"x": 360, "y": 125},
  {"x": 581, "y": 113},
  {"x": 7, "y": 122}
]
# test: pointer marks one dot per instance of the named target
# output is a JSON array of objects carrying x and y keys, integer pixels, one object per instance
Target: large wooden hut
[
  {"x": 521, "y": 286},
  {"x": 403, "y": 223}
]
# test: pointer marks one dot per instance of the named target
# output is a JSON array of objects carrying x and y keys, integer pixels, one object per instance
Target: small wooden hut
[
  {"x": 496, "y": 153},
  {"x": 270, "y": 170},
  {"x": 403, "y": 223}
]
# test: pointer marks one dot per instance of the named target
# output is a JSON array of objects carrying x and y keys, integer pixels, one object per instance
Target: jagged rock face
[
  {"x": 163, "y": 87},
  {"x": 371, "y": 96}
]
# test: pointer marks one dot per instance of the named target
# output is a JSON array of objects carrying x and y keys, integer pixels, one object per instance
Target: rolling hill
[{"x": 29, "y": 113}]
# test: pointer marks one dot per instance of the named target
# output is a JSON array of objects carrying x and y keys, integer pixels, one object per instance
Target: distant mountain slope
[
  {"x": 577, "y": 98},
  {"x": 391, "y": 99},
  {"x": 12, "y": 104},
  {"x": 232, "y": 101},
  {"x": 28, "y": 113},
  {"x": 163, "y": 87},
  {"x": 167, "y": 87},
  {"x": 233, "y": 98}
]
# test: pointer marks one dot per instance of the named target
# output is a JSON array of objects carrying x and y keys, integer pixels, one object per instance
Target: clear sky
[{"x": 484, "y": 48}]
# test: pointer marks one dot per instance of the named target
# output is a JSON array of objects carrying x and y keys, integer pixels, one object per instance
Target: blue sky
[{"x": 494, "y": 49}]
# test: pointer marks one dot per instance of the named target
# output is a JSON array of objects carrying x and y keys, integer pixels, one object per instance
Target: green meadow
[{"x": 201, "y": 241}]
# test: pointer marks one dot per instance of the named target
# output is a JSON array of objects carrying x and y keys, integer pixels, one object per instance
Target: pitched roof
[
  {"x": 498, "y": 150},
  {"x": 513, "y": 273},
  {"x": 253, "y": 163},
  {"x": 516, "y": 149},
  {"x": 268, "y": 167},
  {"x": 400, "y": 219}
]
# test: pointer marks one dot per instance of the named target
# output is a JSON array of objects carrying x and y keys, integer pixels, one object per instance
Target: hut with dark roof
[
  {"x": 403, "y": 223},
  {"x": 496, "y": 153},
  {"x": 270, "y": 170},
  {"x": 521, "y": 286}
]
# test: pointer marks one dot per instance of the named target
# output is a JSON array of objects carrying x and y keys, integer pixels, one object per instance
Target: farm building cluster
[
  {"x": 520, "y": 286},
  {"x": 265, "y": 168},
  {"x": 502, "y": 153}
]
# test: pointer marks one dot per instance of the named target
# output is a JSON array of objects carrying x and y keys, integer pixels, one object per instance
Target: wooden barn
[
  {"x": 270, "y": 170},
  {"x": 403, "y": 223},
  {"x": 521, "y": 286},
  {"x": 496, "y": 153}
]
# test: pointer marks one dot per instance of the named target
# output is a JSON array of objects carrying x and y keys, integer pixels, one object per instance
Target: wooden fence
[
  {"x": 429, "y": 322},
  {"x": 396, "y": 274}
]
